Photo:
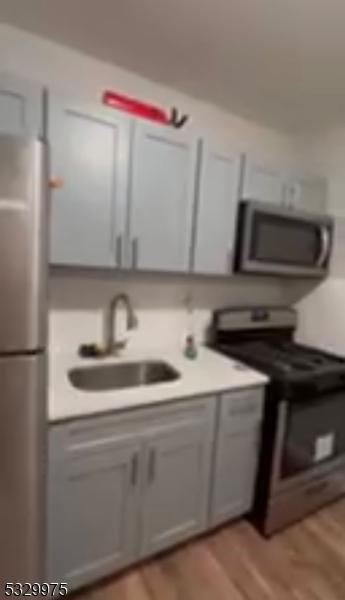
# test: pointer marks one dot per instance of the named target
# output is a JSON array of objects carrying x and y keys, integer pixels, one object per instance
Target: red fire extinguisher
[{"x": 144, "y": 110}]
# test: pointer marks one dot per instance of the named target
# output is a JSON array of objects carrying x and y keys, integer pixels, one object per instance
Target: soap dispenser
[{"x": 190, "y": 347}]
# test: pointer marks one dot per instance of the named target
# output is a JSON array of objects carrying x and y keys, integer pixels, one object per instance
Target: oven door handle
[
  {"x": 276, "y": 480},
  {"x": 325, "y": 239}
]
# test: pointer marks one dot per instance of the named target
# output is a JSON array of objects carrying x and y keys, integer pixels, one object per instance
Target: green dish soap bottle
[
  {"x": 190, "y": 346},
  {"x": 190, "y": 350}
]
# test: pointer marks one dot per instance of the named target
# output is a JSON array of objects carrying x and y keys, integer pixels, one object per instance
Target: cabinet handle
[
  {"x": 135, "y": 252},
  {"x": 229, "y": 259},
  {"x": 134, "y": 469},
  {"x": 119, "y": 251},
  {"x": 56, "y": 183},
  {"x": 152, "y": 466}
]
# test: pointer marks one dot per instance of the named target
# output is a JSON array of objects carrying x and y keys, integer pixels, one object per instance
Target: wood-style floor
[{"x": 305, "y": 562}]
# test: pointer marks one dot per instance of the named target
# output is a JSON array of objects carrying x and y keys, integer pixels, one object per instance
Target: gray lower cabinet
[
  {"x": 93, "y": 505},
  {"x": 89, "y": 179},
  {"x": 126, "y": 486},
  {"x": 176, "y": 486},
  {"x": 21, "y": 106},
  {"x": 236, "y": 455}
]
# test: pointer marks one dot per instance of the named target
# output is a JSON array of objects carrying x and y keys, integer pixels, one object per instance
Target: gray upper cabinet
[
  {"x": 236, "y": 456},
  {"x": 92, "y": 510},
  {"x": 268, "y": 183},
  {"x": 89, "y": 176},
  {"x": 262, "y": 181},
  {"x": 307, "y": 193},
  {"x": 176, "y": 485},
  {"x": 216, "y": 211},
  {"x": 162, "y": 197},
  {"x": 21, "y": 103}
]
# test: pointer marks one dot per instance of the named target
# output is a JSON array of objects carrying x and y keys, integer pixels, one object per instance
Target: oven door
[
  {"x": 310, "y": 439},
  {"x": 276, "y": 240}
]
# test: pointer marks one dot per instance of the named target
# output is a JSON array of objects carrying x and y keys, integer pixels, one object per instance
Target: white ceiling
[{"x": 279, "y": 62}]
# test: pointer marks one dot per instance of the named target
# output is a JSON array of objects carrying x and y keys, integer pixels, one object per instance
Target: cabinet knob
[{"x": 56, "y": 183}]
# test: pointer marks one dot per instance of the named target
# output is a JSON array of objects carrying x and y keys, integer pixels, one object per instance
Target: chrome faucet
[{"x": 112, "y": 346}]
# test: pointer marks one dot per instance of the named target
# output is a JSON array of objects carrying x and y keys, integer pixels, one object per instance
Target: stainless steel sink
[{"x": 100, "y": 378}]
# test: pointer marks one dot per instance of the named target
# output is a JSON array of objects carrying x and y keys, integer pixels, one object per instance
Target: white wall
[
  {"x": 77, "y": 302},
  {"x": 322, "y": 316},
  {"x": 323, "y": 310}
]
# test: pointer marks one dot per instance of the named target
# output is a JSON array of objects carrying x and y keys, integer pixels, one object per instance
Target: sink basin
[{"x": 101, "y": 378}]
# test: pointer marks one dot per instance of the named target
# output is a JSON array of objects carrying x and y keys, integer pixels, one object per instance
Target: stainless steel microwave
[{"x": 283, "y": 241}]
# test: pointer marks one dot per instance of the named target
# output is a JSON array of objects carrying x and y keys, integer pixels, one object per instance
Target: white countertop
[{"x": 209, "y": 373}]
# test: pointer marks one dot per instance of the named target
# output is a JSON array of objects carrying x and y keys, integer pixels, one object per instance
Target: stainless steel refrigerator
[{"x": 23, "y": 308}]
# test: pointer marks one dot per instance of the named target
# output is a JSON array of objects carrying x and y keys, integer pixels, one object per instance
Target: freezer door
[
  {"x": 22, "y": 468},
  {"x": 23, "y": 233}
]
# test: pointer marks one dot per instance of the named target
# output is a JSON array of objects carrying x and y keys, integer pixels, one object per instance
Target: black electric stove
[{"x": 302, "y": 459}]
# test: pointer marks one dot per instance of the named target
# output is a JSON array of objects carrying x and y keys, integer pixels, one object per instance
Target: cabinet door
[
  {"x": 89, "y": 169},
  {"x": 176, "y": 487},
  {"x": 92, "y": 512},
  {"x": 261, "y": 182},
  {"x": 162, "y": 199},
  {"x": 20, "y": 106},
  {"x": 308, "y": 194},
  {"x": 235, "y": 470},
  {"x": 216, "y": 210}
]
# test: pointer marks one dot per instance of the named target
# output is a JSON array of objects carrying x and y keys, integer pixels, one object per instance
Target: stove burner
[
  {"x": 269, "y": 346},
  {"x": 284, "y": 357}
]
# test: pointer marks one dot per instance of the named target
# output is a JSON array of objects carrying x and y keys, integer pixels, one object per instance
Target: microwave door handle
[{"x": 325, "y": 245}]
